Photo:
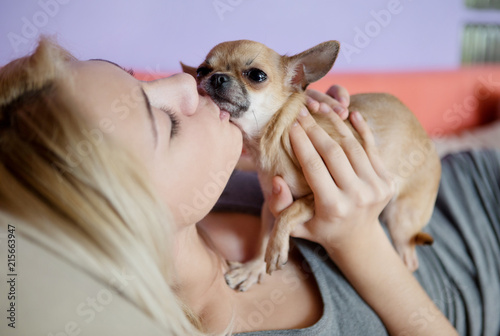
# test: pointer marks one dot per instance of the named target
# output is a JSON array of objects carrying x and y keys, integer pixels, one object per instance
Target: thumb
[{"x": 280, "y": 197}]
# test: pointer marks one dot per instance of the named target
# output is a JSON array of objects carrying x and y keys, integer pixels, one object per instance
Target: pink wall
[{"x": 155, "y": 35}]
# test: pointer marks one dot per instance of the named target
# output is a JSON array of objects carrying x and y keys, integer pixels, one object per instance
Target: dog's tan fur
[{"x": 404, "y": 145}]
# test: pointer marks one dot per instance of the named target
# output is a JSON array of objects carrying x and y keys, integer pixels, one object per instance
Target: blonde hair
[{"x": 100, "y": 213}]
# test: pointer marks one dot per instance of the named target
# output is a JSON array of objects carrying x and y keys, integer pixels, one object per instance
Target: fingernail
[
  {"x": 343, "y": 101},
  {"x": 338, "y": 109},
  {"x": 323, "y": 108},
  {"x": 356, "y": 115},
  {"x": 276, "y": 189},
  {"x": 344, "y": 115},
  {"x": 303, "y": 112}
]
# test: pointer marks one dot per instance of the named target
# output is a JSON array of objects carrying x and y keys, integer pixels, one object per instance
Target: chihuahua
[{"x": 263, "y": 92}]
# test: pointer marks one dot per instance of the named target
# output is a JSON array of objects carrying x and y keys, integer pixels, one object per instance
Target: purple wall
[{"x": 377, "y": 35}]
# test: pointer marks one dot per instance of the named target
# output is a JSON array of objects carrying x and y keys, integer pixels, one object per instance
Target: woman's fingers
[
  {"x": 340, "y": 94},
  {"x": 356, "y": 155},
  {"x": 355, "y": 151},
  {"x": 320, "y": 102},
  {"x": 360, "y": 125},
  {"x": 351, "y": 165},
  {"x": 371, "y": 149},
  {"x": 323, "y": 158},
  {"x": 316, "y": 173}
]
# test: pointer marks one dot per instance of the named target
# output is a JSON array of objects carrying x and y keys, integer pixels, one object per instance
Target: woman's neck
[
  {"x": 200, "y": 279},
  {"x": 202, "y": 286}
]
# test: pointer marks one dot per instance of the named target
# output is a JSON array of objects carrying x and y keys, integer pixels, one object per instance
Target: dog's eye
[
  {"x": 256, "y": 75},
  {"x": 202, "y": 72}
]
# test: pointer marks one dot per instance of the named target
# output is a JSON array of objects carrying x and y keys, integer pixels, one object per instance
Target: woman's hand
[
  {"x": 350, "y": 184},
  {"x": 336, "y": 98},
  {"x": 351, "y": 187}
]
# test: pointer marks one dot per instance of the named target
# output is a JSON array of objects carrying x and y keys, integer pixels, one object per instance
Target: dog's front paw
[
  {"x": 242, "y": 276},
  {"x": 277, "y": 254}
]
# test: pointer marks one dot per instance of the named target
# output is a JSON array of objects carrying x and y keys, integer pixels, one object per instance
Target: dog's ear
[
  {"x": 188, "y": 69},
  {"x": 312, "y": 64}
]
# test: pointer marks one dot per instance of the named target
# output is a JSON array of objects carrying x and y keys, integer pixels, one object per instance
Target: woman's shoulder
[{"x": 47, "y": 293}]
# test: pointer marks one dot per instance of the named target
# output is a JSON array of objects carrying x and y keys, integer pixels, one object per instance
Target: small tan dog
[{"x": 264, "y": 92}]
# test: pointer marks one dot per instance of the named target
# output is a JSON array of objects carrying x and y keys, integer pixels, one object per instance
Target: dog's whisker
[
  {"x": 255, "y": 117},
  {"x": 253, "y": 59}
]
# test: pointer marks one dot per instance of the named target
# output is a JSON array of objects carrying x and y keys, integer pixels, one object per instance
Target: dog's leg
[
  {"x": 242, "y": 276},
  {"x": 405, "y": 217},
  {"x": 299, "y": 211}
]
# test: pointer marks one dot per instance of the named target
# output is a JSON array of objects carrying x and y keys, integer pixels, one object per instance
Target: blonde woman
[
  {"x": 91, "y": 158},
  {"x": 80, "y": 208}
]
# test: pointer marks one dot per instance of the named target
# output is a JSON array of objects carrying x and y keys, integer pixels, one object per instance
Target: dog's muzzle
[{"x": 228, "y": 94}]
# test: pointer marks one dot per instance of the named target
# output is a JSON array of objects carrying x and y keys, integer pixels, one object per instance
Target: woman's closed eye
[{"x": 174, "y": 121}]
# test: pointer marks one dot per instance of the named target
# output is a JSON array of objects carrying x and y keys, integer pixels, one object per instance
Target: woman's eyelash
[
  {"x": 130, "y": 71},
  {"x": 174, "y": 130}
]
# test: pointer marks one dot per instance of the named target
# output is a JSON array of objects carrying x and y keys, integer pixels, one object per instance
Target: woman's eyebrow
[{"x": 144, "y": 95}]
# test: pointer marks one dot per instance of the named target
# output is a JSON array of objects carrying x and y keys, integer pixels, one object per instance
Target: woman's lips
[{"x": 223, "y": 114}]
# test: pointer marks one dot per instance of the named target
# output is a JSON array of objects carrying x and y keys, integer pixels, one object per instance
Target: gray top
[{"x": 460, "y": 271}]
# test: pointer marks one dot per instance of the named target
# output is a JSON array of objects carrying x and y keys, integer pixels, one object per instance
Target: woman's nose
[{"x": 178, "y": 92}]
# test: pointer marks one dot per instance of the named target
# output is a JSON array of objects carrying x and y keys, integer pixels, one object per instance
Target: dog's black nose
[{"x": 218, "y": 80}]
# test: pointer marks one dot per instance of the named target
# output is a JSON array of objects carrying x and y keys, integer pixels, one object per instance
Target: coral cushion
[{"x": 444, "y": 101}]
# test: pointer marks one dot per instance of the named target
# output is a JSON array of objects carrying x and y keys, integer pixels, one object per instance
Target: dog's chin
[
  {"x": 225, "y": 105},
  {"x": 235, "y": 110}
]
